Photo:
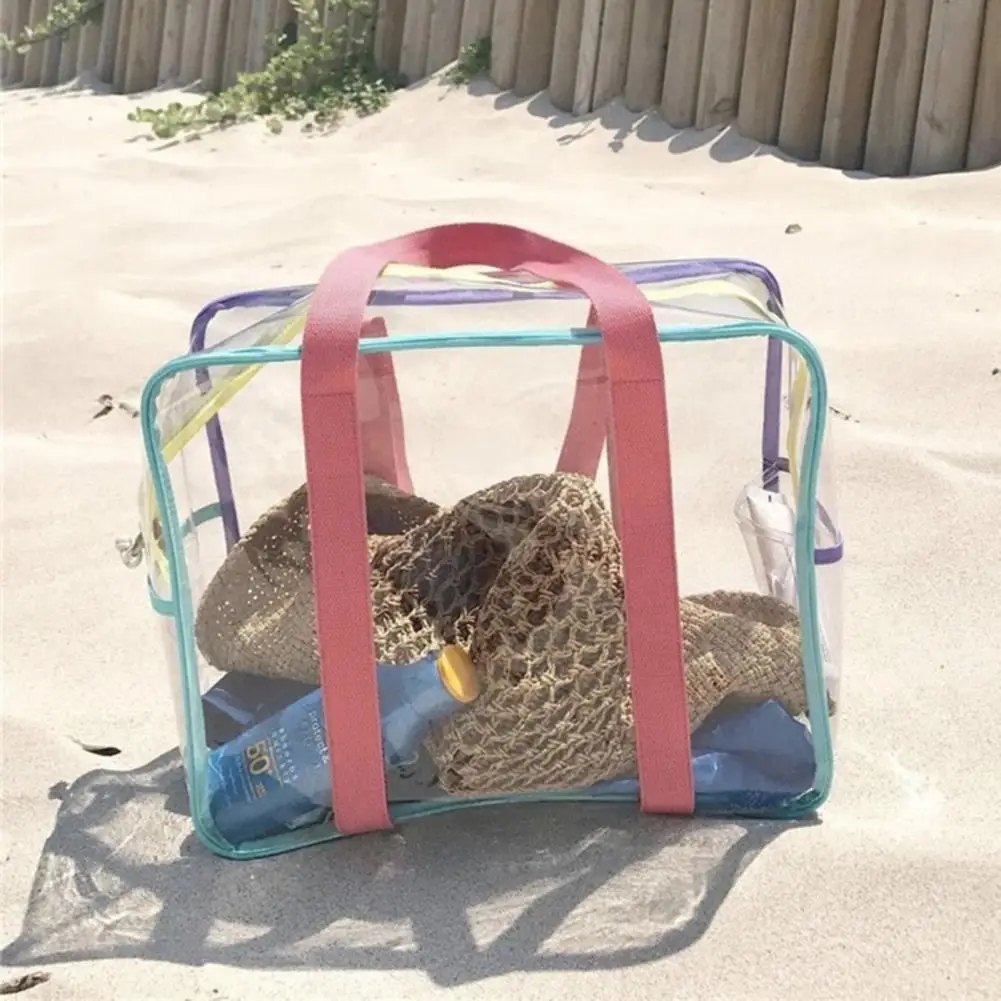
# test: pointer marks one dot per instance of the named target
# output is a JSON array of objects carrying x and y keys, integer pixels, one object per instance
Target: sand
[{"x": 111, "y": 244}]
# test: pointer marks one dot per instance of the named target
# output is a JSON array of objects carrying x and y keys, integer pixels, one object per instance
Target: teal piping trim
[
  {"x": 164, "y": 606},
  {"x": 195, "y": 744}
]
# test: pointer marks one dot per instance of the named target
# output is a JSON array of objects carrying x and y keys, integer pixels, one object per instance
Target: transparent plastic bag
[{"x": 492, "y": 540}]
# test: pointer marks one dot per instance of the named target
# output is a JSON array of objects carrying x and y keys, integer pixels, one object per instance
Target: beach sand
[{"x": 112, "y": 243}]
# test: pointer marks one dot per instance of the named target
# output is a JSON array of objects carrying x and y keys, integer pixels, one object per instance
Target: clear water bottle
[{"x": 276, "y": 777}]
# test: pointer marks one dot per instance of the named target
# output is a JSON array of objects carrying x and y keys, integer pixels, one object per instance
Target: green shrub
[
  {"x": 473, "y": 61},
  {"x": 315, "y": 78},
  {"x": 60, "y": 19}
]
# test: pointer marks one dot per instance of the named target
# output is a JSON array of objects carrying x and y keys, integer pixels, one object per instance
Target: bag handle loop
[{"x": 642, "y": 505}]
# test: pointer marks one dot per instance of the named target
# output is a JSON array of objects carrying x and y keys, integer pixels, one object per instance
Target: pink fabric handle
[
  {"x": 588, "y": 427},
  {"x": 639, "y": 464},
  {"x": 384, "y": 442},
  {"x": 381, "y": 415}
]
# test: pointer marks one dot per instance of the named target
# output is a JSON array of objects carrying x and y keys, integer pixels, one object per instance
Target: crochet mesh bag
[{"x": 527, "y": 574}]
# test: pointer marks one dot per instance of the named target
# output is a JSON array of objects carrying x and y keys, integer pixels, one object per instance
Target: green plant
[
  {"x": 61, "y": 18},
  {"x": 473, "y": 61},
  {"x": 316, "y": 78}
]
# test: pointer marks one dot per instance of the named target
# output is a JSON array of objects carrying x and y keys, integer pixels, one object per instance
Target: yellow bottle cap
[{"x": 455, "y": 668}]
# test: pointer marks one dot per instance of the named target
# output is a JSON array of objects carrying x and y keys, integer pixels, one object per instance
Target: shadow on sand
[
  {"x": 462, "y": 898},
  {"x": 621, "y": 126}
]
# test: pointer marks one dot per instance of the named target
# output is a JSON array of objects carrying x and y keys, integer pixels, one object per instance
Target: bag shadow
[{"x": 463, "y": 897}]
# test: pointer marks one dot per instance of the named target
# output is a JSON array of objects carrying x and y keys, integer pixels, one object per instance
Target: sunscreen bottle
[{"x": 276, "y": 776}]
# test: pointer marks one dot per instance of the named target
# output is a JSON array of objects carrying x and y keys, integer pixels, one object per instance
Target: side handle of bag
[
  {"x": 384, "y": 442},
  {"x": 587, "y": 429},
  {"x": 639, "y": 462},
  {"x": 381, "y": 415}
]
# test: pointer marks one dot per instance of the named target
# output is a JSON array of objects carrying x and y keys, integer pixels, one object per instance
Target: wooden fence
[
  {"x": 136, "y": 45},
  {"x": 889, "y": 86}
]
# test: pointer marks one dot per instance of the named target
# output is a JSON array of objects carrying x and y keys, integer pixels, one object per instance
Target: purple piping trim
[
  {"x": 821, "y": 557},
  {"x": 641, "y": 273},
  {"x": 772, "y": 418},
  {"x": 277, "y": 298}
]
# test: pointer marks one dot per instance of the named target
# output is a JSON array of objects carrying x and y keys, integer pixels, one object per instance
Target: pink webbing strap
[
  {"x": 588, "y": 426},
  {"x": 639, "y": 463},
  {"x": 380, "y": 414}
]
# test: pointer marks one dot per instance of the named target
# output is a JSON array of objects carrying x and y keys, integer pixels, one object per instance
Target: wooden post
[
  {"x": 352, "y": 26},
  {"x": 171, "y": 40},
  {"x": 7, "y": 17},
  {"x": 647, "y": 52},
  {"x": 853, "y": 72},
  {"x": 7, "y": 28},
  {"x": 535, "y": 50},
  {"x": 257, "y": 35},
  {"x": 477, "y": 17},
  {"x": 361, "y": 29},
  {"x": 985, "y": 129},
  {"x": 35, "y": 55},
  {"x": 566, "y": 54},
  {"x": 111, "y": 18},
  {"x": 894, "y": 107},
  {"x": 282, "y": 13},
  {"x": 214, "y": 52},
  {"x": 334, "y": 18},
  {"x": 50, "y": 55},
  {"x": 945, "y": 108},
  {"x": 90, "y": 44},
  {"x": 766, "y": 54},
  {"x": 722, "y": 63},
  {"x": 123, "y": 44},
  {"x": 505, "y": 37},
  {"x": 193, "y": 41},
  {"x": 68, "y": 55},
  {"x": 566, "y": 49},
  {"x": 587, "y": 56},
  {"x": 389, "y": 35},
  {"x": 143, "y": 60},
  {"x": 237, "y": 34},
  {"x": 443, "y": 34},
  {"x": 416, "y": 34},
  {"x": 683, "y": 66},
  {"x": 613, "y": 52},
  {"x": 335, "y": 15},
  {"x": 809, "y": 70},
  {"x": 20, "y": 12}
]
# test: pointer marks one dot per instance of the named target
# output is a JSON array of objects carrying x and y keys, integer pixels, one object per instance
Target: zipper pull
[{"x": 130, "y": 551}]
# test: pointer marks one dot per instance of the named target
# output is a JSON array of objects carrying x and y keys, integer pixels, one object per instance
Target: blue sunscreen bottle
[{"x": 276, "y": 777}]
